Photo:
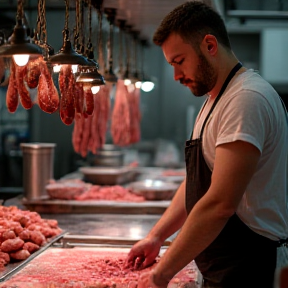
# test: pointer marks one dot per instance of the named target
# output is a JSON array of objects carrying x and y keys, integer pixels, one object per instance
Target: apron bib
[{"x": 226, "y": 261}]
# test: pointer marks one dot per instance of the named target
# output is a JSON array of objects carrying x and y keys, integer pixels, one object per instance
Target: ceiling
[
  {"x": 143, "y": 15},
  {"x": 146, "y": 15}
]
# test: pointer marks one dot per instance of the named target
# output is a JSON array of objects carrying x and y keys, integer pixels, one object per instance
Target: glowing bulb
[
  {"x": 130, "y": 88},
  {"x": 56, "y": 68},
  {"x": 127, "y": 82},
  {"x": 95, "y": 89},
  {"x": 74, "y": 68},
  {"x": 138, "y": 84},
  {"x": 21, "y": 59},
  {"x": 147, "y": 86}
]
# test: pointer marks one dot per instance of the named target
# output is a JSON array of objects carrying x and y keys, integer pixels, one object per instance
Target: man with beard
[{"x": 231, "y": 210}]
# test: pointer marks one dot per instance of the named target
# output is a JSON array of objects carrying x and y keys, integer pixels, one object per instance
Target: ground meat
[
  {"x": 8, "y": 234},
  {"x": 114, "y": 192},
  {"x": 11, "y": 245},
  {"x": 20, "y": 254},
  {"x": 22, "y": 233},
  {"x": 80, "y": 267},
  {"x": 5, "y": 256},
  {"x": 66, "y": 190},
  {"x": 38, "y": 238}
]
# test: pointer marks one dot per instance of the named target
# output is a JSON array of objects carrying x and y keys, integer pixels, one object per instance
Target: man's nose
[{"x": 177, "y": 74}]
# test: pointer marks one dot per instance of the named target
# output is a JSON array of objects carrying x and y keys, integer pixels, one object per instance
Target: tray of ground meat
[
  {"x": 77, "y": 196},
  {"x": 90, "y": 267},
  {"x": 173, "y": 175}
]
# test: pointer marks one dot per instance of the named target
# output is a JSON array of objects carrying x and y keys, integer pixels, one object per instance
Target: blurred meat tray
[
  {"x": 108, "y": 175},
  {"x": 95, "y": 206},
  {"x": 173, "y": 175},
  {"x": 154, "y": 189}
]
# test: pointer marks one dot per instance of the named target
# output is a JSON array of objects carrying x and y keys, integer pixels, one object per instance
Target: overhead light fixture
[
  {"x": 109, "y": 75},
  {"x": 67, "y": 55},
  {"x": 95, "y": 89},
  {"x": 147, "y": 85},
  {"x": 90, "y": 73},
  {"x": 19, "y": 45}
]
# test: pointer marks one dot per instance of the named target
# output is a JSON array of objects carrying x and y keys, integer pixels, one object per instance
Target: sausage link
[
  {"x": 12, "y": 97},
  {"x": 48, "y": 98},
  {"x": 22, "y": 90},
  {"x": 66, "y": 85}
]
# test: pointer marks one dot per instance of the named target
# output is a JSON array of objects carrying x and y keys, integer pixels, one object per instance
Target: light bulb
[
  {"x": 127, "y": 82},
  {"x": 138, "y": 84},
  {"x": 56, "y": 68},
  {"x": 130, "y": 88},
  {"x": 74, "y": 68},
  {"x": 147, "y": 86},
  {"x": 21, "y": 59},
  {"x": 95, "y": 89}
]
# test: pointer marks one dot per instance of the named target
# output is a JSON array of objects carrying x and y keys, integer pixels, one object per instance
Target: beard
[{"x": 205, "y": 79}]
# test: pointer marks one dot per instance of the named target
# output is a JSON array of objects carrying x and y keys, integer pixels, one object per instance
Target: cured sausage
[
  {"x": 79, "y": 98},
  {"x": 86, "y": 136},
  {"x": 77, "y": 132},
  {"x": 66, "y": 85},
  {"x": 134, "y": 103},
  {"x": 33, "y": 72},
  {"x": 88, "y": 101},
  {"x": 120, "y": 123},
  {"x": 12, "y": 97},
  {"x": 48, "y": 98},
  {"x": 22, "y": 90}
]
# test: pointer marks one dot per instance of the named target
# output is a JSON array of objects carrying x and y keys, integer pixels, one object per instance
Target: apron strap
[{"x": 228, "y": 79}]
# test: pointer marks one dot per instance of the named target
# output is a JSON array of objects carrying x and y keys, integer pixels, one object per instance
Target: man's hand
[{"x": 151, "y": 280}]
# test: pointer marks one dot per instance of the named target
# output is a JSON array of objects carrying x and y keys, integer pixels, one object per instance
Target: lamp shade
[
  {"x": 67, "y": 55},
  {"x": 19, "y": 43}
]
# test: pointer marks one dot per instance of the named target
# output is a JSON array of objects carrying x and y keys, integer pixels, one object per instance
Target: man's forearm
[{"x": 173, "y": 218}]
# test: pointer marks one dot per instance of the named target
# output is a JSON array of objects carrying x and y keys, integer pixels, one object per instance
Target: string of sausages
[
  {"x": 33, "y": 75},
  {"x": 77, "y": 104}
]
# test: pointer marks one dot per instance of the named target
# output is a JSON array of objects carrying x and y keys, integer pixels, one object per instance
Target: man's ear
[{"x": 209, "y": 44}]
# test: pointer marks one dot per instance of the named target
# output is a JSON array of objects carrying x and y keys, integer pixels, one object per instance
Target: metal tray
[
  {"x": 152, "y": 189},
  {"x": 52, "y": 258},
  {"x": 12, "y": 268},
  {"x": 108, "y": 175},
  {"x": 93, "y": 206},
  {"x": 70, "y": 240}
]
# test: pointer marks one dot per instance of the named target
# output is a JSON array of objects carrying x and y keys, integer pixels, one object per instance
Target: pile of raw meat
[
  {"x": 77, "y": 189},
  {"x": 85, "y": 267},
  {"x": 22, "y": 233}
]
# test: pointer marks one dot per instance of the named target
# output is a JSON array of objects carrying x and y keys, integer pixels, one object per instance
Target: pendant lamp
[
  {"x": 109, "y": 75},
  {"x": 19, "y": 43},
  {"x": 90, "y": 73},
  {"x": 67, "y": 54}
]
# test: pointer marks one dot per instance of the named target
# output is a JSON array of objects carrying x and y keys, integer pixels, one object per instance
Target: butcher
[{"x": 231, "y": 211}]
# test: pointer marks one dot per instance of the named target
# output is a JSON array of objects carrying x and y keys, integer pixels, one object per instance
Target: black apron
[{"x": 235, "y": 258}]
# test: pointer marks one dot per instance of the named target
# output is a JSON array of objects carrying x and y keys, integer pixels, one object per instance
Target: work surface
[{"x": 110, "y": 225}]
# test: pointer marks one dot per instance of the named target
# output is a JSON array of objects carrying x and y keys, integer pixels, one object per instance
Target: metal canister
[{"x": 38, "y": 163}]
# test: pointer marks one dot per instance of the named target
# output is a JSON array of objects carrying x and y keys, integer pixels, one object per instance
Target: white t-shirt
[{"x": 250, "y": 110}]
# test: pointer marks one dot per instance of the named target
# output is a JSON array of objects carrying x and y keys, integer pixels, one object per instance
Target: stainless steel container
[
  {"x": 108, "y": 156},
  {"x": 38, "y": 161}
]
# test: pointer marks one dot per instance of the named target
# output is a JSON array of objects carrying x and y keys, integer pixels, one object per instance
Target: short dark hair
[{"x": 192, "y": 21}]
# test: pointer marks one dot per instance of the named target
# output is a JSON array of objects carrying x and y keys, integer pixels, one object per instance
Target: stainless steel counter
[{"x": 110, "y": 225}]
